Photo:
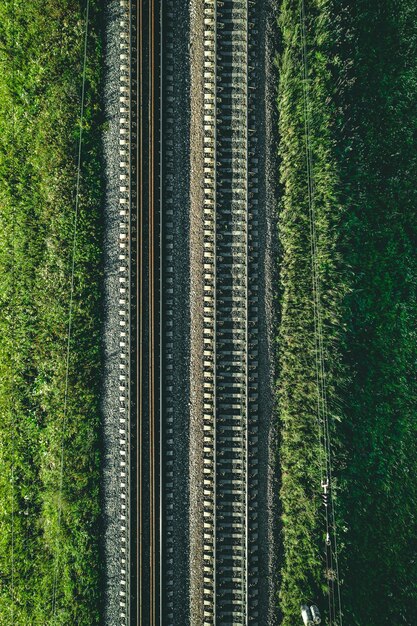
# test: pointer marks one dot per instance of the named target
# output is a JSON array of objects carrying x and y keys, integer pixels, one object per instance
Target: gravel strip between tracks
[
  {"x": 177, "y": 131},
  {"x": 110, "y": 405},
  {"x": 265, "y": 368},
  {"x": 196, "y": 278}
]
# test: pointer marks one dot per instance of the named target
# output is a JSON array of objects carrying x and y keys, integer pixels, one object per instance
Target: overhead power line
[{"x": 325, "y": 455}]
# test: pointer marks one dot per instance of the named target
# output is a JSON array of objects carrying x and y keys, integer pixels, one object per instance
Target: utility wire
[
  {"x": 74, "y": 245},
  {"x": 313, "y": 251},
  {"x": 322, "y": 403},
  {"x": 320, "y": 374},
  {"x": 13, "y": 355}
]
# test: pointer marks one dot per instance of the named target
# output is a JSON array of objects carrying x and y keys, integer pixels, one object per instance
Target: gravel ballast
[
  {"x": 110, "y": 403},
  {"x": 268, "y": 261},
  {"x": 196, "y": 278},
  {"x": 176, "y": 185}
]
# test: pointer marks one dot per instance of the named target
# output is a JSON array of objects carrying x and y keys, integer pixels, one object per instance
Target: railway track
[
  {"x": 126, "y": 215},
  {"x": 145, "y": 463},
  {"x": 148, "y": 488},
  {"x": 230, "y": 318},
  {"x": 138, "y": 376},
  {"x": 146, "y": 313},
  {"x": 169, "y": 321}
]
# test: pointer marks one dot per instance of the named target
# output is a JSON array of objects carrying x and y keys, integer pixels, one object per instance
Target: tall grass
[
  {"x": 303, "y": 570},
  {"x": 362, "y": 94},
  {"x": 40, "y": 81}
]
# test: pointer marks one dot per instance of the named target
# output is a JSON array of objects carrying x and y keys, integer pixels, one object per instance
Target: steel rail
[
  {"x": 215, "y": 320},
  {"x": 129, "y": 343},
  {"x": 247, "y": 324},
  {"x": 209, "y": 254},
  {"x": 151, "y": 243},
  {"x": 161, "y": 318},
  {"x": 140, "y": 319}
]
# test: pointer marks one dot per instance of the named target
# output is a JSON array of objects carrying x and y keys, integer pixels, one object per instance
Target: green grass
[
  {"x": 363, "y": 97},
  {"x": 39, "y": 128},
  {"x": 303, "y": 570}
]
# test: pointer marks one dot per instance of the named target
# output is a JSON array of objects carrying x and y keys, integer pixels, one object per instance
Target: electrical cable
[
  {"x": 320, "y": 416},
  {"x": 322, "y": 404},
  {"x": 13, "y": 301}
]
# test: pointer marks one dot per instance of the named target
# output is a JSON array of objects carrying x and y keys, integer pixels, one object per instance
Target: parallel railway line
[
  {"x": 146, "y": 533},
  {"x": 126, "y": 194},
  {"x": 230, "y": 319},
  {"x": 147, "y": 312}
]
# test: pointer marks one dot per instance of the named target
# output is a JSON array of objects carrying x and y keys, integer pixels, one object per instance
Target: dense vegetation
[
  {"x": 303, "y": 572},
  {"x": 41, "y": 53},
  {"x": 378, "y": 164},
  {"x": 363, "y": 98}
]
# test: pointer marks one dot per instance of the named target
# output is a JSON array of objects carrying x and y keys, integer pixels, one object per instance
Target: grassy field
[
  {"x": 362, "y": 89},
  {"x": 41, "y": 54}
]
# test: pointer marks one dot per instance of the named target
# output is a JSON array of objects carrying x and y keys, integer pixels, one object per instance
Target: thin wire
[
  {"x": 320, "y": 373},
  {"x": 312, "y": 242},
  {"x": 328, "y": 444},
  {"x": 318, "y": 326},
  {"x": 13, "y": 296},
  {"x": 316, "y": 298},
  {"x": 310, "y": 186},
  {"x": 55, "y": 581}
]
